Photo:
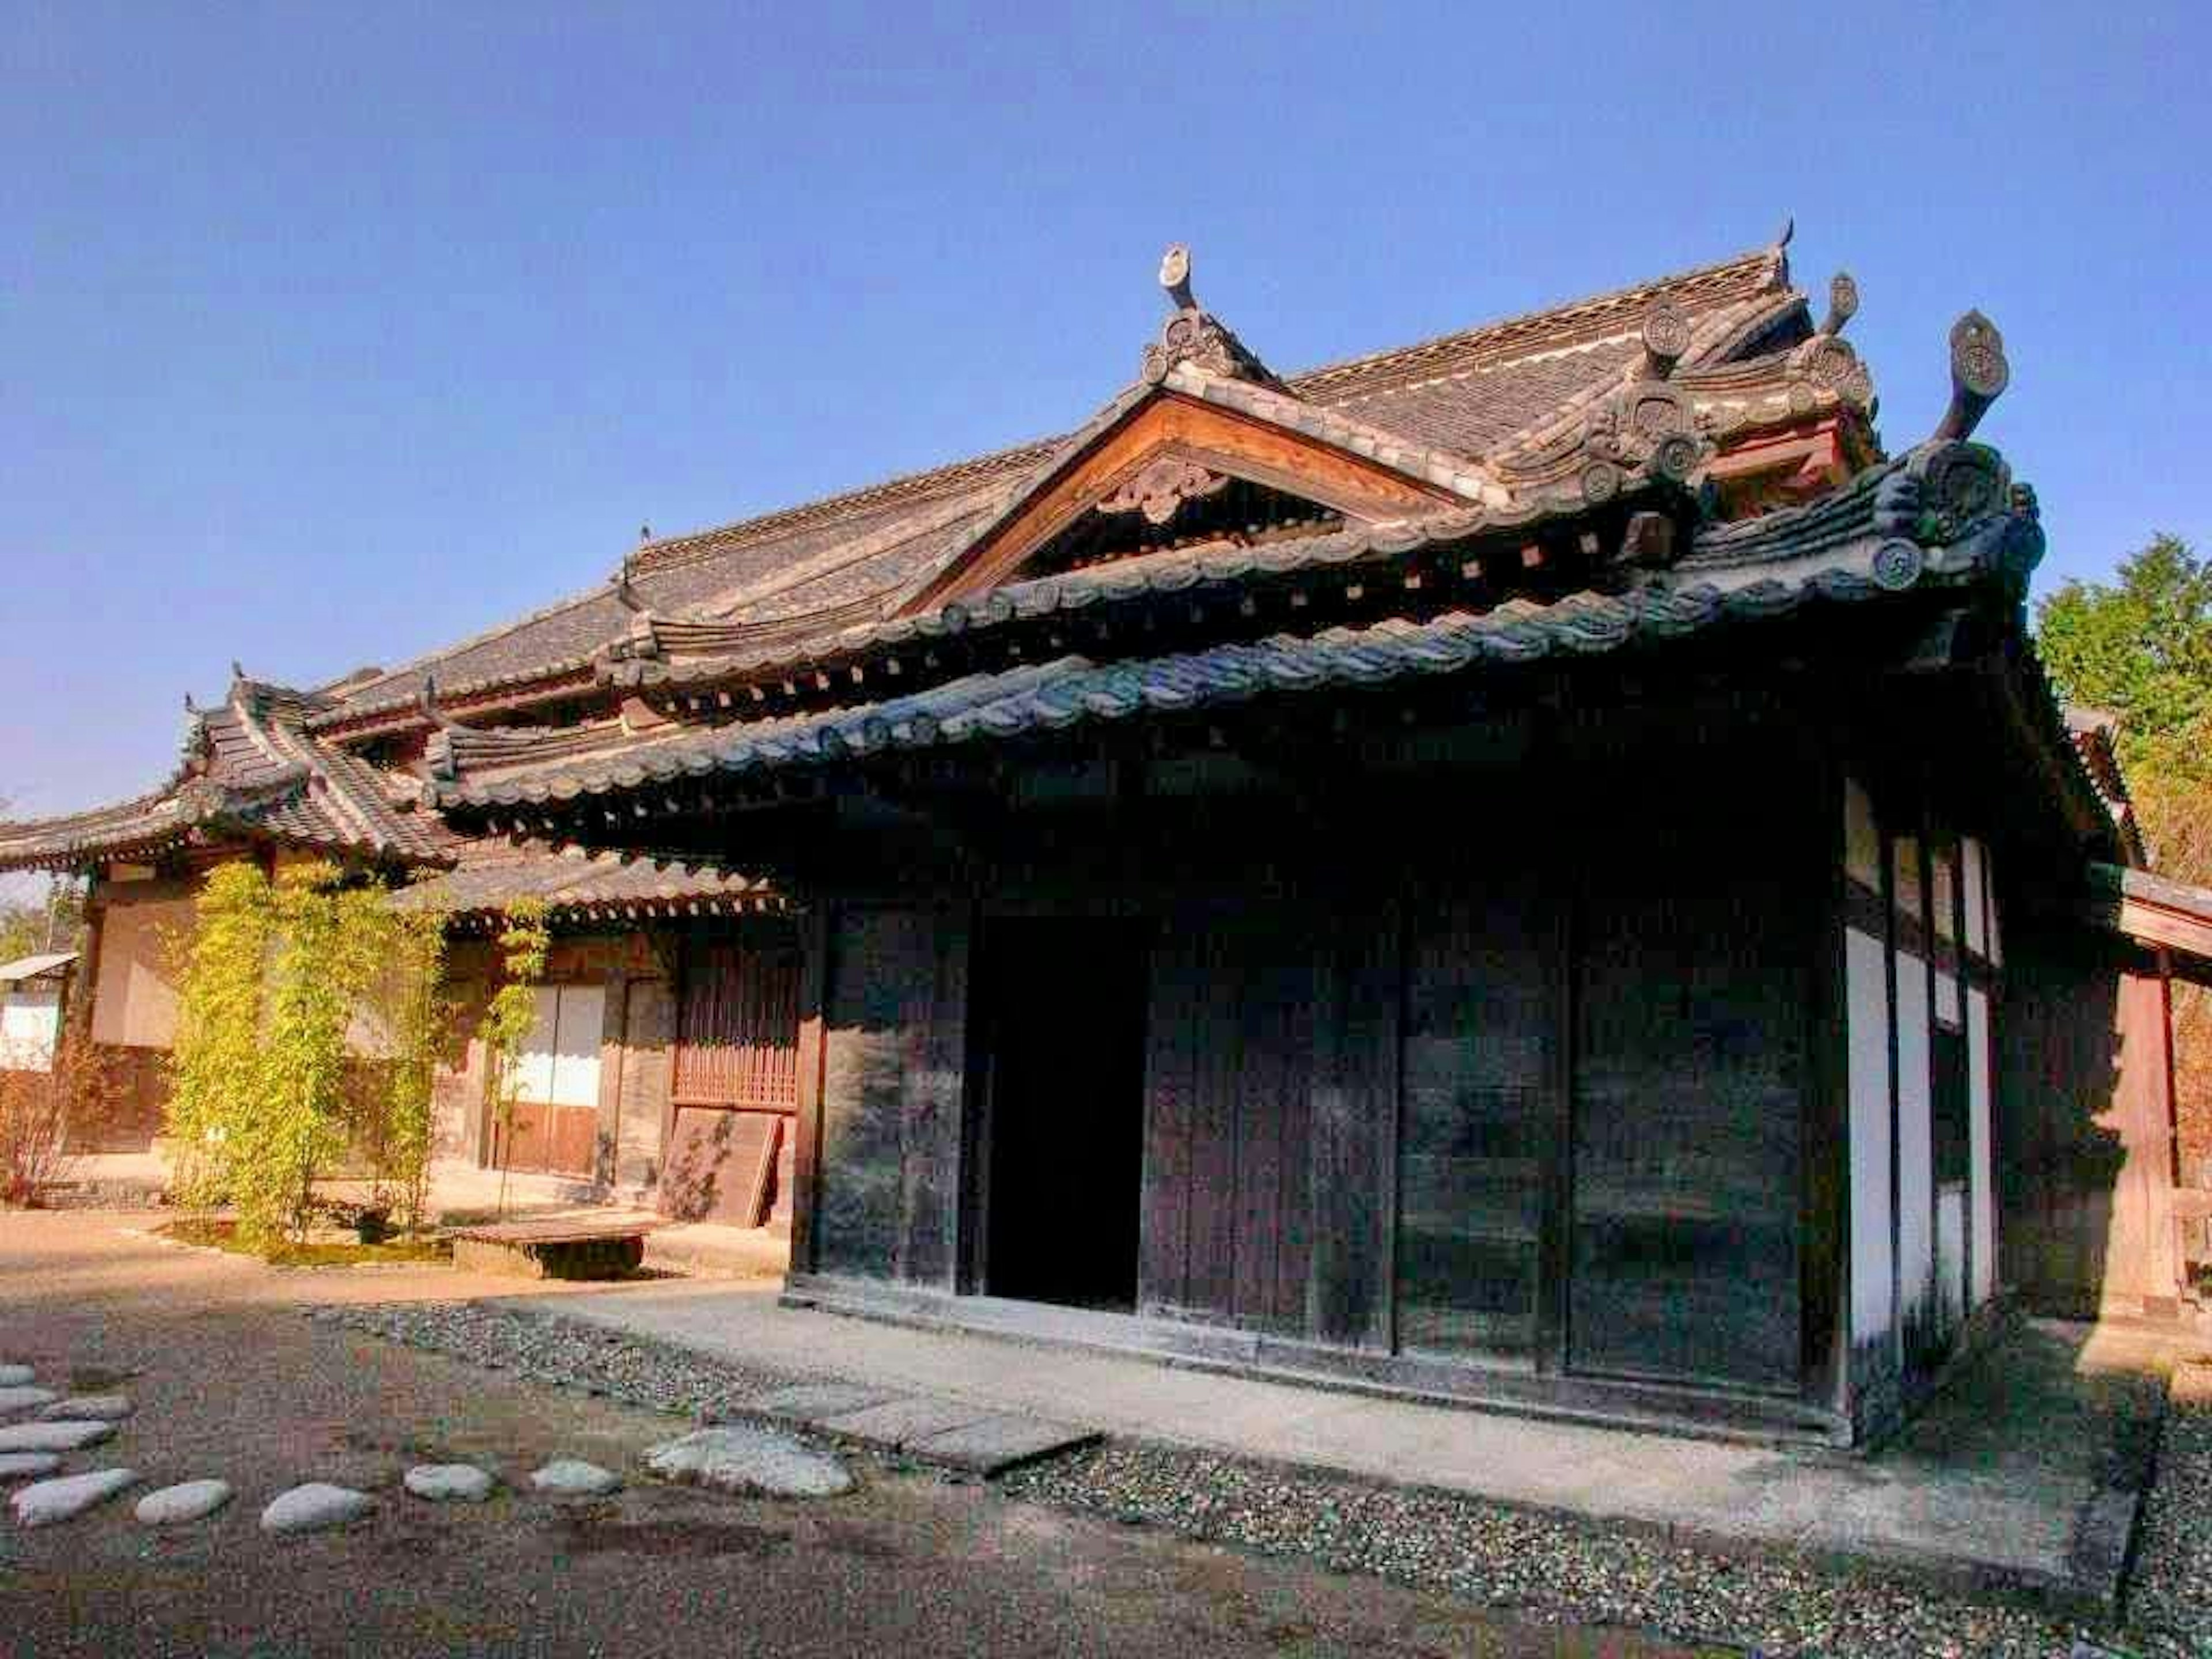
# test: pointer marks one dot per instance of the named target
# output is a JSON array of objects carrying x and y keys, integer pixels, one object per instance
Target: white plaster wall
[
  {"x": 1867, "y": 997},
  {"x": 1916, "y": 1197}
]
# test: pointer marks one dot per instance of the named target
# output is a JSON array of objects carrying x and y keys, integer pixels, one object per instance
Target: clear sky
[{"x": 330, "y": 332}]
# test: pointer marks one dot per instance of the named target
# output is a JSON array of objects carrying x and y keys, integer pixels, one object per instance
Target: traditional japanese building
[{"x": 1538, "y": 867}]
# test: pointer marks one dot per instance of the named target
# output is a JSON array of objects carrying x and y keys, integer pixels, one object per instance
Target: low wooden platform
[{"x": 569, "y": 1247}]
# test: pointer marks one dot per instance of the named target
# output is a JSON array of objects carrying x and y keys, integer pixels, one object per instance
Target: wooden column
[{"x": 813, "y": 1051}]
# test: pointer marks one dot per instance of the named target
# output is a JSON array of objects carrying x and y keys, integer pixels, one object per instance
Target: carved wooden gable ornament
[{"x": 1204, "y": 415}]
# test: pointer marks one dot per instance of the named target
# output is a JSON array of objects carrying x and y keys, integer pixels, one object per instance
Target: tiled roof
[
  {"x": 2096, "y": 735},
  {"x": 1455, "y": 400},
  {"x": 578, "y": 889},
  {"x": 1944, "y": 514},
  {"x": 249, "y": 771}
]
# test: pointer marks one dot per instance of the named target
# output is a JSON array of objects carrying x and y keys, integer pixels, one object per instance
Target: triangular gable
[{"x": 1161, "y": 446}]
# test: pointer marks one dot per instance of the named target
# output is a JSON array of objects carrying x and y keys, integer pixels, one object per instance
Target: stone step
[{"x": 930, "y": 1429}]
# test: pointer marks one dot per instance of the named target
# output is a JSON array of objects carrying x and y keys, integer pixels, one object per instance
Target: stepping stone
[
  {"x": 313, "y": 1507},
  {"x": 24, "y": 1399},
  {"x": 810, "y": 1402},
  {"x": 739, "y": 1458},
  {"x": 14, "y": 1376},
  {"x": 53, "y": 1436},
  {"x": 89, "y": 1409},
  {"x": 571, "y": 1477},
  {"x": 44, "y": 1502},
  {"x": 449, "y": 1483},
  {"x": 23, "y": 1465},
  {"x": 899, "y": 1423},
  {"x": 999, "y": 1443},
  {"x": 193, "y": 1500}
]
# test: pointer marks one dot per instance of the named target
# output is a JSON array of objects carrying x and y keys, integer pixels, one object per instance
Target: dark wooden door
[{"x": 1228, "y": 1154}]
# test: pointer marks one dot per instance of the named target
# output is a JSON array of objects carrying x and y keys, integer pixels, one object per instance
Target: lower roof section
[
  {"x": 2156, "y": 914},
  {"x": 580, "y": 889}
]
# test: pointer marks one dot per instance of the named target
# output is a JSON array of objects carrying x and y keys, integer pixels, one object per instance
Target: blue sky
[{"x": 330, "y": 332}]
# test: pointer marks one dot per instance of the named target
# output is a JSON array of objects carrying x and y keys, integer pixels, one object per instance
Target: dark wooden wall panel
[
  {"x": 889, "y": 1155},
  {"x": 1690, "y": 1068},
  {"x": 1355, "y": 1130},
  {"x": 1171, "y": 1105},
  {"x": 1481, "y": 1033}
]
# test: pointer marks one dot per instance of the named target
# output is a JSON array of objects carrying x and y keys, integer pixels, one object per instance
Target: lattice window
[{"x": 738, "y": 1034}]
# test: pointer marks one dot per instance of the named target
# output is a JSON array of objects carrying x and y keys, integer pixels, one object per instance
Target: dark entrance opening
[{"x": 1064, "y": 1023}]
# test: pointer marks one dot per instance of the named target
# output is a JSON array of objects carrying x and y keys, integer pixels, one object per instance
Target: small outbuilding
[{"x": 33, "y": 1002}]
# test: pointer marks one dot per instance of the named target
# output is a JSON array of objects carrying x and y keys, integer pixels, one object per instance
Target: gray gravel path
[
  {"x": 2170, "y": 1603},
  {"x": 1541, "y": 1567}
]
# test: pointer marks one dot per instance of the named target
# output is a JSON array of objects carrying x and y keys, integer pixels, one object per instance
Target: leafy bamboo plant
[
  {"x": 289, "y": 990},
  {"x": 216, "y": 1061},
  {"x": 417, "y": 1013},
  {"x": 511, "y": 1016}
]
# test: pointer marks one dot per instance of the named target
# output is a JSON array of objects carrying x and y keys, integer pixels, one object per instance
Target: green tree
[{"x": 2140, "y": 645}]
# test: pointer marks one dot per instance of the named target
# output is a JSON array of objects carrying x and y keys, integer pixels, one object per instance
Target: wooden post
[
  {"x": 818, "y": 930},
  {"x": 1824, "y": 1141}
]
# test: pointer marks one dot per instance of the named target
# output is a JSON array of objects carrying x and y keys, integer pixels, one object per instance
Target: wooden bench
[{"x": 568, "y": 1248}]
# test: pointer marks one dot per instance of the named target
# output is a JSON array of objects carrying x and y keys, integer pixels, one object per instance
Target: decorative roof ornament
[
  {"x": 625, "y": 588},
  {"x": 238, "y": 675},
  {"x": 1666, "y": 338},
  {"x": 1160, "y": 489},
  {"x": 1824, "y": 361},
  {"x": 1777, "y": 253},
  {"x": 1193, "y": 335},
  {"x": 425, "y": 701},
  {"x": 1842, "y": 305},
  {"x": 1979, "y": 374}
]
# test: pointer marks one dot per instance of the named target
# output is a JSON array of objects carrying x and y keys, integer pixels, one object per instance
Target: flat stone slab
[
  {"x": 14, "y": 1376},
  {"x": 24, "y": 1398},
  {"x": 43, "y": 1503},
  {"x": 189, "y": 1500},
  {"x": 899, "y": 1422},
  {"x": 53, "y": 1436},
  {"x": 572, "y": 1477},
  {"x": 89, "y": 1409},
  {"x": 24, "y": 1466},
  {"x": 450, "y": 1483},
  {"x": 739, "y": 1458},
  {"x": 315, "y": 1506},
  {"x": 814, "y": 1402},
  {"x": 996, "y": 1445}
]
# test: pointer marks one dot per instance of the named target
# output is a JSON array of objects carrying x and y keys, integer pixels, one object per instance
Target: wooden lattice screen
[{"x": 738, "y": 1034}]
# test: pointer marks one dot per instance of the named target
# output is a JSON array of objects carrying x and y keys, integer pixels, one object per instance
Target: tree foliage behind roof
[{"x": 2140, "y": 646}]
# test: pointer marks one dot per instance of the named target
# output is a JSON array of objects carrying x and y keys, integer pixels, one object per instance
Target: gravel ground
[
  {"x": 229, "y": 1379},
  {"x": 565, "y": 1353},
  {"x": 1540, "y": 1567},
  {"x": 2170, "y": 1605}
]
